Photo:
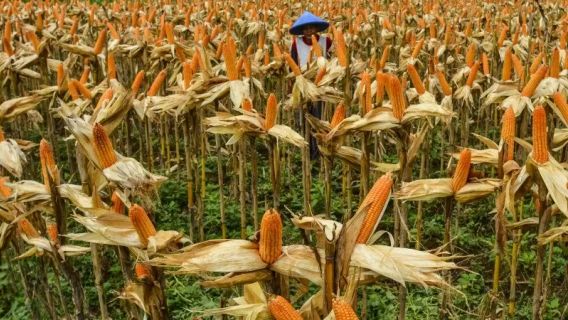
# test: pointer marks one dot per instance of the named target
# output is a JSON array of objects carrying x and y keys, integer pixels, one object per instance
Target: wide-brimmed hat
[{"x": 308, "y": 19}]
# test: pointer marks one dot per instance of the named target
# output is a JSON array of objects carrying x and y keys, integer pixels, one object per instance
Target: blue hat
[{"x": 308, "y": 19}]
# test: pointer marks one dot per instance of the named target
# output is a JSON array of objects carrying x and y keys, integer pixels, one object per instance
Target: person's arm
[
  {"x": 328, "y": 47},
  {"x": 294, "y": 51}
]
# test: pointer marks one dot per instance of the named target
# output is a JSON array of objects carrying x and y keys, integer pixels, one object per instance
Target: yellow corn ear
[
  {"x": 230, "y": 55},
  {"x": 187, "y": 74},
  {"x": 384, "y": 57},
  {"x": 60, "y": 75},
  {"x": 470, "y": 54},
  {"x": 113, "y": 33},
  {"x": 117, "y": 204},
  {"x": 270, "y": 244},
  {"x": 555, "y": 64},
  {"x": 321, "y": 73},
  {"x": 85, "y": 75},
  {"x": 137, "y": 82},
  {"x": 142, "y": 224},
  {"x": 247, "y": 104},
  {"x": 292, "y": 64},
  {"x": 53, "y": 233},
  {"x": 343, "y": 310},
  {"x": 485, "y": 63},
  {"x": 508, "y": 129},
  {"x": 86, "y": 93},
  {"x": 73, "y": 90},
  {"x": 462, "y": 170},
  {"x": 142, "y": 271},
  {"x": 111, "y": 66},
  {"x": 540, "y": 143},
  {"x": 381, "y": 79},
  {"x": 561, "y": 105},
  {"x": 316, "y": 47},
  {"x": 105, "y": 97},
  {"x": 472, "y": 74},
  {"x": 338, "y": 116},
  {"x": 281, "y": 309},
  {"x": 47, "y": 162},
  {"x": 396, "y": 96},
  {"x": 376, "y": 201},
  {"x": 534, "y": 81},
  {"x": 341, "y": 48},
  {"x": 27, "y": 228},
  {"x": 507, "y": 65},
  {"x": 271, "y": 112},
  {"x": 536, "y": 62},
  {"x": 417, "y": 48},
  {"x": 100, "y": 43},
  {"x": 5, "y": 191},
  {"x": 103, "y": 146},
  {"x": 157, "y": 84},
  {"x": 518, "y": 66},
  {"x": 415, "y": 78}
]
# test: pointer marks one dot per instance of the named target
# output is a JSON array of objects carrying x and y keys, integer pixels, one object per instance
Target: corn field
[{"x": 155, "y": 161}]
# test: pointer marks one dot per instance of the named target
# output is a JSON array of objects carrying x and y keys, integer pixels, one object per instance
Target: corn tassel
[
  {"x": 271, "y": 112},
  {"x": 142, "y": 224},
  {"x": 281, "y": 309},
  {"x": 270, "y": 244},
  {"x": 157, "y": 84},
  {"x": 103, "y": 147},
  {"x": 508, "y": 133},
  {"x": 534, "y": 81},
  {"x": 462, "y": 170},
  {"x": 415, "y": 78},
  {"x": 343, "y": 310},
  {"x": 135, "y": 87},
  {"x": 540, "y": 144},
  {"x": 376, "y": 200}
]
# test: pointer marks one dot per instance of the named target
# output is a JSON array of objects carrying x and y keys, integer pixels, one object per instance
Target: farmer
[{"x": 303, "y": 29}]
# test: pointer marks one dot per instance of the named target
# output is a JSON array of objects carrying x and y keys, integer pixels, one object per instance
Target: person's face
[{"x": 309, "y": 31}]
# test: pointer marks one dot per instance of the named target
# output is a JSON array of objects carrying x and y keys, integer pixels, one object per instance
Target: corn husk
[{"x": 11, "y": 157}]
